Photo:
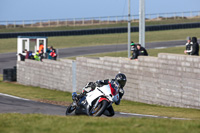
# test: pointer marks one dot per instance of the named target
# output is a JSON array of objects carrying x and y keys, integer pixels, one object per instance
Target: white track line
[
  {"x": 153, "y": 116},
  {"x": 2, "y": 94},
  {"x": 160, "y": 47}
]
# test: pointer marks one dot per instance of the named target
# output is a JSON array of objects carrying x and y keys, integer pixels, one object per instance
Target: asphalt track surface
[
  {"x": 8, "y": 60},
  {"x": 13, "y": 104}
]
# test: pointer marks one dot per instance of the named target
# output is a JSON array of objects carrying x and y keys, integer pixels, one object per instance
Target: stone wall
[
  {"x": 47, "y": 74},
  {"x": 169, "y": 79}
]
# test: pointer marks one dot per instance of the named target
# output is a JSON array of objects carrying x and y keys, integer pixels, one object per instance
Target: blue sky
[{"x": 58, "y": 9}]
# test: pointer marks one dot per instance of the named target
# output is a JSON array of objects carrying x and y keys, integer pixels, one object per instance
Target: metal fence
[
  {"x": 96, "y": 20},
  {"x": 99, "y": 30}
]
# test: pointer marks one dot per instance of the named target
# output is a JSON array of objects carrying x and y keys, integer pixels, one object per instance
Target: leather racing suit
[{"x": 92, "y": 85}]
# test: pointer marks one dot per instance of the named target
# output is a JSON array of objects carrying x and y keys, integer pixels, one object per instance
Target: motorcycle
[{"x": 94, "y": 103}]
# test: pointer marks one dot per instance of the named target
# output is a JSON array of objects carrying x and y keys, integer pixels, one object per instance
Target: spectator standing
[
  {"x": 188, "y": 46},
  {"x": 53, "y": 55},
  {"x": 41, "y": 47},
  {"x": 41, "y": 55}
]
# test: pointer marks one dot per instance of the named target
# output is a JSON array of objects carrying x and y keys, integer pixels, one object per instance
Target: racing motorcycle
[{"x": 94, "y": 103}]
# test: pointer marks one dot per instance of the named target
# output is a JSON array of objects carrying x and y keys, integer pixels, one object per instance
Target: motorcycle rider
[{"x": 119, "y": 82}]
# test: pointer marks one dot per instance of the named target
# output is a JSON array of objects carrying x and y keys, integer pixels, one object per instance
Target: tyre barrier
[
  {"x": 10, "y": 74},
  {"x": 100, "y": 31}
]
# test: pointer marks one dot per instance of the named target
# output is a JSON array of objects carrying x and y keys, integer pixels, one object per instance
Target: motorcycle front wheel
[
  {"x": 70, "y": 109},
  {"x": 99, "y": 110}
]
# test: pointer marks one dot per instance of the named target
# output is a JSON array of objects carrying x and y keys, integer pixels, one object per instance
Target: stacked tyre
[{"x": 9, "y": 74}]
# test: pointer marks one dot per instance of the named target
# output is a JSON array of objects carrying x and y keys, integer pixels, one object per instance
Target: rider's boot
[{"x": 74, "y": 98}]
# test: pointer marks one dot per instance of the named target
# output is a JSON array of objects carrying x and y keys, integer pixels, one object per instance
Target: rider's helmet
[{"x": 121, "y": 79}]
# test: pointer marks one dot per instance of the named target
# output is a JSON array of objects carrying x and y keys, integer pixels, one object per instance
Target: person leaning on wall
[
  {"x": 49, "y": 50},
  {"x": 22, "y": 57},
  {"x": 140, "y": 51},
  {"x": 194, "y": 48},
  {"x": 36, "y": 56},
  {"x": 133, "y": 49},
  {"x": 188, "y": 46},
  {"x": 27, "y": 54},
  {"x": 53, "y": 54}
]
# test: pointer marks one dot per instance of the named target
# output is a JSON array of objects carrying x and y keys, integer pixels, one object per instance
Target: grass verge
[
  {"x": 35, "y": 123},
  {"x": 10, "y": 45},
  {"x": 1, "y": 77},
  {"x": 151, "y": 52},
  {"x": 64, "y": 98}
]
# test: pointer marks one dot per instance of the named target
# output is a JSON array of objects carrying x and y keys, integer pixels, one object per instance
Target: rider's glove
[
  {"x": 88, "y": 84},
  {"x": 121, "y": 93},
  {"x": 99, "y": 83}
]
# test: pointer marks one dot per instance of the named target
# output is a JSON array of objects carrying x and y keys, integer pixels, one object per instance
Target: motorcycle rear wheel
[
  {"x": 99, "y": 110},
  {"x": 70, "y": 109}
]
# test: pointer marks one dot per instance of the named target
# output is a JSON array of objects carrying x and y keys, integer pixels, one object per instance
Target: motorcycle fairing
[{"x": 102, "y": 91}]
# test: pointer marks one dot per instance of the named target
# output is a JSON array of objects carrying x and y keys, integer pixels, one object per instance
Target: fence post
[
  {"x": 165, "y": 16},
  {"x": 74, "y": 76},
  {"x": 174, "y": 16},
  {"x": 23, "y": 24},
  {"x": 40, "y": 23},
  {"x": 132, "y": 20},
  {"x": 158, "y": 16},
  {"x": 6, "y": 24},
  {"x": 150, "y": 17},
  {"x": 83, "y": 21},
  {"x": 74, "y": 21},
  {"x": 108, "y": 20},
  {"x": 57, "y": 23},
  {"x": 66, "y": 22},
  {"x": 99, "y": 20},
  {"x": 14, "y": 24},
  {"x": 49, "y": 23},
  {"x": 92, "y": 21},
  {"x": 31, "y": 23}
]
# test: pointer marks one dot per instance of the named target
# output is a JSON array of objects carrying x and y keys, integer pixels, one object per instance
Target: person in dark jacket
[
  {"x": 188, "y": 46},
  {"x": 195, "y": 47},
  {"x": 22, "y": 57},
  {"x": 133, "y": 49},
  {"x": 192, "y": 47},
  {"x": 141, "y": 51},
  {"x": 49, "y": 50}
]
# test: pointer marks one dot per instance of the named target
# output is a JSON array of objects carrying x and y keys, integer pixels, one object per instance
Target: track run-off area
[{"x": 14, "y": 104}]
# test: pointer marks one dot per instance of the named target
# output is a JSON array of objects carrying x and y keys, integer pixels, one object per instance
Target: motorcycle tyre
[
  {"x": 102, "y": 109},
  {"x": 70, "y": 111}
]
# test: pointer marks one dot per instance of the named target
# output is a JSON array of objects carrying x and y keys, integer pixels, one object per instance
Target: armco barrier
[
  {"x": 169, "y": 79},
  {"x": 100, "y": 31}
]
